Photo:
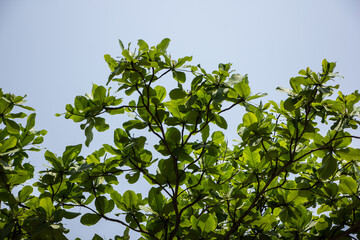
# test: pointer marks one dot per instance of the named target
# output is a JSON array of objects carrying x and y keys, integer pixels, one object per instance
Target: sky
[{"x": 53, "y": 51}]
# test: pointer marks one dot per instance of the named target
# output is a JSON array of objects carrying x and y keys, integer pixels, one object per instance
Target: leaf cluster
[{"x": 264, "y": 187}]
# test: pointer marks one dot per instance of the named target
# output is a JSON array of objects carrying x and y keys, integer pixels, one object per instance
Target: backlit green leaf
[
  {"x": 8, "y": 144},
  {"x": 47, "y": 205},
  {"x": 349, "y": 154},
  {"x": 143, "y": 46},
  {"x": 163, "y": 45},
  {"x": 348, "y": 185},
  {"x": 249, "y": 119},
  {"x": 130, "y": 199},
  {"x": 218, "y": 137},
  {"x": 252, "y": 158},
  {"x": 24, "y": 193},
  {"x": 242, "y": 89}
]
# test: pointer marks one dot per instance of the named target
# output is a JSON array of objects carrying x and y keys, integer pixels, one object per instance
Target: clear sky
[{"x": 53, "y": 50}]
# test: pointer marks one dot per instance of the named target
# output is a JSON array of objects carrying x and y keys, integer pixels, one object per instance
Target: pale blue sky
[{"x": 53, "y": 50}]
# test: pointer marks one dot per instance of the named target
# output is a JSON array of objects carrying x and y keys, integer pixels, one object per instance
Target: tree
[{"x": 295, "y": 157}]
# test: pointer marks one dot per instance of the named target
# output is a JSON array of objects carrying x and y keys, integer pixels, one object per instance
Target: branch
[
  {"x": 164, "y": 73},
  {"x": 120, "y": 107},
  {"x": 233, "y": 105},
  {"x": 147, "y": 175},
  {"x": 196, "y": 160},
  {"x": 349, "y": 231},
  {"x": 297, "y": 189},
  {"x": 202, "y": 174},
  {"x": 190, "y": 204}
]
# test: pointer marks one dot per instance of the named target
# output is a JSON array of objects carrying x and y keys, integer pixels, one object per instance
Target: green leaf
[
  {"x": 118, "y": 200},
  {"x": 143, "y": 46},
  {"x": 100, "y": 204},
  {"x": 38, "y": 140},
  {"x": 177, "y": 93},
  {"x": 71, "y": 215},
  {"x": 24, "y": 193},
  {"x": 12, "y": 126},
  {"x": 97, "y": 237},
  {"x": 196, "y": 82},
  {"x": 265, "y": 223},
  {"x": 16, "y": 115},
  {"x": 181, "y": 61},
  {"x": 111, "y": 62},
  {"x": 205, "y": 132},
  {"x": 89, "y": 219},
  {"x": 163, "y": 45},
  {"x": 25, "y": 107},
  {"x": 328, "y": 167},
  {"x": 130, "y": 199},
  {"x": 47, "y": 205},
  {"x": 220, "y": 121},
  {"x": 295, "y": 84},
  {"x": 156, "y": 200},
  {"x": 325, "y": 66},
  {"x": 235, "y": 78},
  {"x": 218, "y": 137},
  {"x": 121, "y": 44},
  {"x": 207, "y": 223},
  {"x": 30, "y": 123},
  {"x": 348, "y": 185},
  {"x": 89, "y": 134},
  {"x": 323, "y": 208},
  {"x": 100, "y": 124},
  {"x": 5, "y": 232},
  {"x": 128, "y": 56},
  {"x": 179, "y": 76},
  {"x": 99, "y": 94},
  {"x": 20, "y": 177},
  {"x": 120, "y": 136},
  {"x": 70, "y": 153},
  {"x": 242, "y": 89},
  {"x": 160, "y": 92},
  {"x": 8, "y": 144},
  {"x": 173, "y": 135},
  {"x": 133, "y": 178},
  {"x": 249, "y": 119},
  {"x": 134, "y": 124},
  {"x": 55, "y": 161},
  {"x": 349, "y": 154},
  {"x": 173, "y": 107},
  {"x": 252, "y": 158}
]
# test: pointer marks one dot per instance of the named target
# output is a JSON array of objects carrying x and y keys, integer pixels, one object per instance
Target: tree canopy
[{"x": 293, "y": 175}]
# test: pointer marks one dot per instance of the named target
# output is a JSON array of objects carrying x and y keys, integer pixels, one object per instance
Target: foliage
[{"x": 294, "y": 175}]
